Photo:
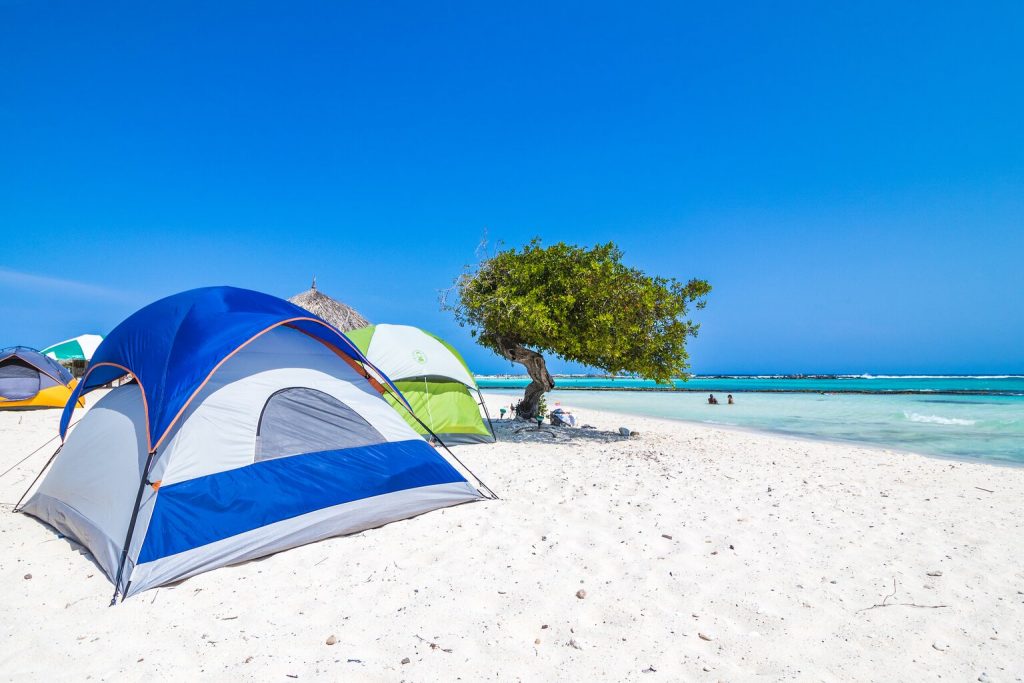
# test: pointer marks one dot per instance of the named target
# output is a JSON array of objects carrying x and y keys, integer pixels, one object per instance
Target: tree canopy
[{"x": 581, "y": 304}]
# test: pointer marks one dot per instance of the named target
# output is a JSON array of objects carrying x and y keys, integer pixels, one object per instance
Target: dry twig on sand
[
  {"x": 433, "y": 645},
  {"x": 885, "y": 601}
]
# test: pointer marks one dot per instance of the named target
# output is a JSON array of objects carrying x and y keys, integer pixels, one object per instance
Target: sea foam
[{"x": 937, "y": 419}]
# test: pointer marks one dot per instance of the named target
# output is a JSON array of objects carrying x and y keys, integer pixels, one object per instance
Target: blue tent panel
[
  {"x": 199, "y": 511},
  {"x": 44, "y": 364},
  {"x": 173, "y": 345}
]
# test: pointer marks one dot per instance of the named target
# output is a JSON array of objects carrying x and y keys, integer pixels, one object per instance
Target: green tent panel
[
  {"x": 432, "y": 376},
  {"x": 446, "y": 406}
]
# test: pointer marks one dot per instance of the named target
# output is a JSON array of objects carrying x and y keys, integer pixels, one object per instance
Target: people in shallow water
[
  {"x": 712, "y": 401},
  {"x": 729, "y": 397}
]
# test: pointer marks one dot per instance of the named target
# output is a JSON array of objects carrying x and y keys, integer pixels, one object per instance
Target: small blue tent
[
  {"x": 28, "y": 379},
  {"x": 251, "y": 426}
]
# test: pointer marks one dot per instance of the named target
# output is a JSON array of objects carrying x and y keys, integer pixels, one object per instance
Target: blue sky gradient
[{"x": 849, "y": 178}]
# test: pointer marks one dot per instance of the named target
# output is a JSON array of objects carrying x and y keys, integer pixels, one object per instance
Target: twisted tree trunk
[{"x": 537, "y": 368}]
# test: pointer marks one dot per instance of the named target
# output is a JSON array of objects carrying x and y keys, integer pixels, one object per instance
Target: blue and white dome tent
[{"x": 251, "y": 427}]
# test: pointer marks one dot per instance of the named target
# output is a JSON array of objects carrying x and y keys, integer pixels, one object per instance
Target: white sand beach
[{"x": 686, "y": 553}]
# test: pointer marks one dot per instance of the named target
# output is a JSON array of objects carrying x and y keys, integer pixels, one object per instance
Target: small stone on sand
[
  {"x": 331, "y": 640},
  {"x": 581, "y": 594}
]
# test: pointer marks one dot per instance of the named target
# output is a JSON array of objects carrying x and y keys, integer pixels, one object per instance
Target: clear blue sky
[{"x": 849, "y": 176}]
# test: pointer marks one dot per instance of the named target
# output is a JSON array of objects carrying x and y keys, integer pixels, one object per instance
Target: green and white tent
[
  {"x": 433, "y": 378},
  {"x": 79, "y": 348}
]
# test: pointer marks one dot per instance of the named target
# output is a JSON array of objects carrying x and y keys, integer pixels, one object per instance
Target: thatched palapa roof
[{"x": 343, "y": 317}]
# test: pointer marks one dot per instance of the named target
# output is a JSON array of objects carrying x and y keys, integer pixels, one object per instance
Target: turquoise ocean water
[{"x": 977, "y": 417}]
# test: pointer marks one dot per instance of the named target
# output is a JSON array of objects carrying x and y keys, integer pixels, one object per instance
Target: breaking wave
[
  {"x": 869, "y": 376},
  {"x": 938, "y": 419}
]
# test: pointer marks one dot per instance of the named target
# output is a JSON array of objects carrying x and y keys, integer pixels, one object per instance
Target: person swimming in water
[
  {"x": 712, "y": 401},
  {"x": 729, "y": 398}
]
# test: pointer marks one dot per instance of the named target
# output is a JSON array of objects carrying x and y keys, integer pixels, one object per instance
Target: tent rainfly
[
  {"x": 251, "y": 427},
  {"x": 433, "y": 378},
  {"x": 343, "y": 317},
  {"x": 79, "y": 348},
  {"x": 28, "y": 379}
]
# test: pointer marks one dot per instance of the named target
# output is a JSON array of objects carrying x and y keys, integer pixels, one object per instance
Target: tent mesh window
[
  {"x": 300, "y": 420},
  {"x": 18, "y": 380}
]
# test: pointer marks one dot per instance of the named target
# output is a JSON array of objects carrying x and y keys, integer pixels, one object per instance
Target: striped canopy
[{"x": 78, "y": 348}]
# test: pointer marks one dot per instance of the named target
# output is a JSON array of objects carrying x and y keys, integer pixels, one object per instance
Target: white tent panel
[
  {"x": 90, "y": 489},
  {"x": 218, "y": 431},
  {"x": 401, "y": 351}
]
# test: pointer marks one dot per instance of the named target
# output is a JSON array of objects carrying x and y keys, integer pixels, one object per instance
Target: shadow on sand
[{"x": 520, "y": 431}]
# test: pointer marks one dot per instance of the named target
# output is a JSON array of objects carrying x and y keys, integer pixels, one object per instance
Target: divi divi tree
[{"x": 580, "y": 304}]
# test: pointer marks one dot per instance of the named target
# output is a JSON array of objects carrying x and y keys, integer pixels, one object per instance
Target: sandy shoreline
[{"x": 770, "y": 546}]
